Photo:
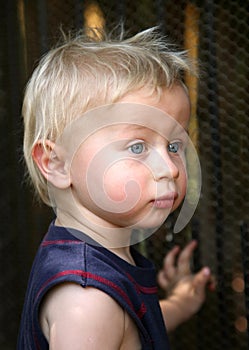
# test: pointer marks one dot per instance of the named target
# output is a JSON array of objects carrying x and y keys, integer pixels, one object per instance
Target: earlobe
[{"x": 51, "y": 164}]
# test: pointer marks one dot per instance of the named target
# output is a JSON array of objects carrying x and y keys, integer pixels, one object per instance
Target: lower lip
[{"x": 163, "y": 203}]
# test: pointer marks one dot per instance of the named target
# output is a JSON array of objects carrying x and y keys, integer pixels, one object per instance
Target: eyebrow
[
  {"x": 129, "y": 127},
  {"x": 136, "y": 127}
]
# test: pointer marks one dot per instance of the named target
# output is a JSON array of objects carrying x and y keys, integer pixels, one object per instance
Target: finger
[
  {"x": 201, "y": 280},
  {"x": 169, "y": 265},
  {"x": 162, "y": 280},
  {"x": 184, "y": 259}
]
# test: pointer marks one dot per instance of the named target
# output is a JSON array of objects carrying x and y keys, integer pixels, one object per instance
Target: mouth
[{"x": 165, "y": 202}]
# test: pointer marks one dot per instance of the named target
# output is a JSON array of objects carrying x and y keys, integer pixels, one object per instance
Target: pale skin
[
  {"x": 185, "y": 291},
  {"x": 73, "y": 317}
]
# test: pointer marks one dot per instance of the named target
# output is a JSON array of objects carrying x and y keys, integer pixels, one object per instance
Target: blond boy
[{"x": 106, "y": 125}]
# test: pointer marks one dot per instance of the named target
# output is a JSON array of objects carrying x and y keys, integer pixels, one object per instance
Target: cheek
[
  {"x": 183, "y": 179},
  {"x": 183, "y": 176},
  {"x": 125, "y": 180},
  {"x": 80, "y": 177},
  {"x": 181, "y": 184}
]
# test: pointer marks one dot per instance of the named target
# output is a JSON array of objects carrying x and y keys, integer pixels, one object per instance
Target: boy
[{"x": 105, "y": 135}]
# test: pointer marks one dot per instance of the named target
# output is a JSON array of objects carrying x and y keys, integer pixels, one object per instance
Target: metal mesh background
[{"x": 220, "y": 223}]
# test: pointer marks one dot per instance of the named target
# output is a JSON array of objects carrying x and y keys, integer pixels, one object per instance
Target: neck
[
  {"x": 115, "y": 239},
  {"x": 71, "y": 215}
]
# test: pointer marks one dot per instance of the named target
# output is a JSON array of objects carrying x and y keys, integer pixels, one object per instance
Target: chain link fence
[{"x": 216, "y": 33}]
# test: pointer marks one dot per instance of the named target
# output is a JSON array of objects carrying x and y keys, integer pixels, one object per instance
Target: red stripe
[
  {"x": 142, "y": 311},
  {"x": 98, "y": 278},
  {"x": 46, "y": 243},
  {"x": 139, "y": 288}
]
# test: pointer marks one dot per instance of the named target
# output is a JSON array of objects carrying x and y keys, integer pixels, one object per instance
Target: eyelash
[{"x": 143, "y": 147}]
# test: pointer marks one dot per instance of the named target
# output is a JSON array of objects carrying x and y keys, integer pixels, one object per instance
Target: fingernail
[{"x": 206, "y": 271}]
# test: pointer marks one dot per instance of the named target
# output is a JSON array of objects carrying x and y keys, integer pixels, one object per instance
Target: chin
[{"x": 151, "y": 223}]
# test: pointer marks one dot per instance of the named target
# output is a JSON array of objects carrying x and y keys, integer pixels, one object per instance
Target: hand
[{"x": 187, "y": 291}]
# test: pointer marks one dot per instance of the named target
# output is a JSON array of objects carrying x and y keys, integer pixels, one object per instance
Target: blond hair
[{"x": 84, "y": 72}]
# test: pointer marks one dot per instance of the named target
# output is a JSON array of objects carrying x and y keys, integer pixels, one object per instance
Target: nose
[{"x": 166, "y": 167}]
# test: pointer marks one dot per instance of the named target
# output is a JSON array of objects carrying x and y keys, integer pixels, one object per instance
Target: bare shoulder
[{"x": 73, "y": 317}]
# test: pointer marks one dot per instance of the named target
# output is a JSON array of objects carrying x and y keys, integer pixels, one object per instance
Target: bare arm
[
  {"x": 76, "y": 318},
  {"x": 186, "y": 292}
]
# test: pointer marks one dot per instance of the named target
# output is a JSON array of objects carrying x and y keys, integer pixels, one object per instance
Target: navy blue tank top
[{"x": 64, "y": 258}]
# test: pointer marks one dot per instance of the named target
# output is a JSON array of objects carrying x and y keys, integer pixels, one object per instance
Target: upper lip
[{"x": 168, "y": 196}]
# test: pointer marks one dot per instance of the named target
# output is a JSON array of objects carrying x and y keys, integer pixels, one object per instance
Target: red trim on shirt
[
  {"x": 139, "y": 288},
  {"x": 98, "y": 278},
  {"x": 60, "y": 241},
  {"x": 142, "y": 311}
]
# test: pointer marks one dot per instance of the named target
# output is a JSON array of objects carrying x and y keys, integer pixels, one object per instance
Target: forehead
[
  {"x": 137, "y": 112},
  {"x": 174, "y": 102},
  {"x": 166, "y": 129}
]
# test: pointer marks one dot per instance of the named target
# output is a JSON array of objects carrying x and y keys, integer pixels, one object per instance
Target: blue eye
[
  {"x": 137, "y": 148},
  {"x": 174, "y": 147}
]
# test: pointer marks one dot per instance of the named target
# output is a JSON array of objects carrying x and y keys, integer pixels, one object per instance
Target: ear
[{"x": 50, "y": 161}]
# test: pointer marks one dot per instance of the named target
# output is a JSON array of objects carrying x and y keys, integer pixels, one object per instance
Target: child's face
[{"x": 134, "y": 175}]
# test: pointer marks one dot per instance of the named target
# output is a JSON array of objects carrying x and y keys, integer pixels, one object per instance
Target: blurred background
[{"x": 217, "y": 34}]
